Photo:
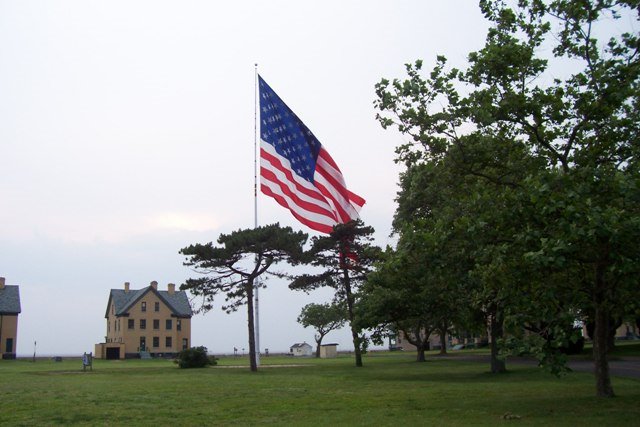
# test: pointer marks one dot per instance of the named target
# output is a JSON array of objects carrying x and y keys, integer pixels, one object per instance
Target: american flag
[{"x": 297, "y": 171}]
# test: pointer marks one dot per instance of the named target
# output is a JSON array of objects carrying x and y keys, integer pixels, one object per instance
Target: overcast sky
[{"x": 127, "y": 133}]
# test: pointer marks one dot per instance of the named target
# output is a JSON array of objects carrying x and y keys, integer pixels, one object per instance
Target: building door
[
  {"x": 113, "y": 353},
  {"x": 143, "y": 344},
  {"x": 9, "y": 346}
]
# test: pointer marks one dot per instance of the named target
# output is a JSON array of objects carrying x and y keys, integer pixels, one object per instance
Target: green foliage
[
  {"x": 324, "y": 318},
  {"x": 234, "y": 267},
  {"x": 347, "y": 257},
  {"x": 195, "y": 357},
  {"x": 409, "y": 293},
  {"x": 530, "y": 166},
  {"x": 242, "y": 256}
]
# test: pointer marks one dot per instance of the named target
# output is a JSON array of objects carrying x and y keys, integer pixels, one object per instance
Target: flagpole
[{"x": 255, "y": 205}]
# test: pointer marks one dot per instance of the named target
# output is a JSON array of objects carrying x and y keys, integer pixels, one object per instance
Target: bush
[{"x": 195, "y": 357}]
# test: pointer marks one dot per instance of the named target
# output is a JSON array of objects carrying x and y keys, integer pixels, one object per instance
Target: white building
[{"x": 301, "y": 349}]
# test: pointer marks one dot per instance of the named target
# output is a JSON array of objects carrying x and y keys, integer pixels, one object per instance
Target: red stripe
[
  {"x": 277, "y": 164},
  {"x": 340, "y": 211},
  {"x": 327, "y": 157},
  {"x": 354, "y": 198},
  {"x": 322, "y": 228},
  {"x": 337, "y": 186},
  {"x": 333, "y": 209},
  {"x": 311, "y": 207}
]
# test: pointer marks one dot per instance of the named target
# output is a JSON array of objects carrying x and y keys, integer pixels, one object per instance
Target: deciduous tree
[
  {"x": 324, "y": 318},
  {"x": 557, "y": 82}
]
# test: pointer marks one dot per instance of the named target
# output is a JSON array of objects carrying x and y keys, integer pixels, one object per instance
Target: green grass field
[{"x": 391, "y": 389}]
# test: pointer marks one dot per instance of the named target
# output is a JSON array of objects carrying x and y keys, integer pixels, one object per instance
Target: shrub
[{"x": 195, "y": 357}]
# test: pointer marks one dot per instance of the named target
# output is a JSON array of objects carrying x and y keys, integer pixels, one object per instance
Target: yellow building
[
  {"x": 146, "y": 322},
  {"x": 328, "y": 351},
  {"x": 9, "y": 310}
]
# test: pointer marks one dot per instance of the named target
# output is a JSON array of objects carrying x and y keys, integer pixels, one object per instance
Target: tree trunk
[
  {"x": 250, "y": 323},
  {"x": 497, "y": 365},
  {"x": 350, "y": 304},
  {"x": 421, "y": 357},
  {"x": 601, "y": 339},
  {"x": 318, "y": 343},
  {"x": 356, "y": 346},
  {"x": 443, "y": 341}
]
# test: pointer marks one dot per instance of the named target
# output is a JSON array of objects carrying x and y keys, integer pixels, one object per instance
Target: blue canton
[{"x": 290, "y": 137}]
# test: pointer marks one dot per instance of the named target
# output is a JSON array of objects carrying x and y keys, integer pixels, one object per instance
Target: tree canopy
[
  {"x": 324, "y": 318},
  {"x": 539, "y": 137},
  {"x": 233, "y": 268},
  {"x": 346, "y": 256}
]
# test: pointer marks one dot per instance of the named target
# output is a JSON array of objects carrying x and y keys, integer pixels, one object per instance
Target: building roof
[
  {"x": 300, "y": 344},
  {"x": 178, "y": 302},
  {"x": 10, "y": 299}
]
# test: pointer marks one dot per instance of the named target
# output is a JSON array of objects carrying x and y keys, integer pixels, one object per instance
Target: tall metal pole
[{"x": 255, "y": 206}]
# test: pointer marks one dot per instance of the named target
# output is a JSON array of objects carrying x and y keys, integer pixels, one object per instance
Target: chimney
[
  {"x": 1, "y": 282},
  {"x": 126, "y": 287},
  {"x": 154, "y": 285},
  {"x": 171, "y": 287}
]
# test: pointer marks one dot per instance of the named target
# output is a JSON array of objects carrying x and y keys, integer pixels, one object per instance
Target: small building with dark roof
[
  {"x": 146, "y": 322},
  {"x": 329, "y": 351},
  {"x": 9, "y": 311},
  {"x": 301, "y": 349}
]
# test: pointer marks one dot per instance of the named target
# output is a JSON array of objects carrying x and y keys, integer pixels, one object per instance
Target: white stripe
[
  {"x": 351, "y": 208},
  {"x": 345, "y": 203},
  {"x": 331, "y": 170},
  {"x": 285, "y": 180},
  {"x": 312, "y": 216}
]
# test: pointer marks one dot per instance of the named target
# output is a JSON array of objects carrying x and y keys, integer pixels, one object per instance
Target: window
[
  {"x": 131, "y": 324},
  {"x": 167, "y": 342},
  {"x": 179, "y": 324},
  {"x": 169, "y": 324},
  {"x": 143, "y": 306},
  {"x": 156, "y": 324},
  {"x": 185, "y": 343},
  {"x": 143, "y": 324},
  {"x": 157, "y": 306},
  {"x": 156, "y": 342}
]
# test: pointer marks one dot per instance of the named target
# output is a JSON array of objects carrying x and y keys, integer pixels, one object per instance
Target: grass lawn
[{"x": 391, "y": 389}]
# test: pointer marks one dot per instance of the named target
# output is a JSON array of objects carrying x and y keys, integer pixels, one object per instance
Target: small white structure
[
  {"x": 301, "y": 349},
  {"x": 328, "y": 351}
]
